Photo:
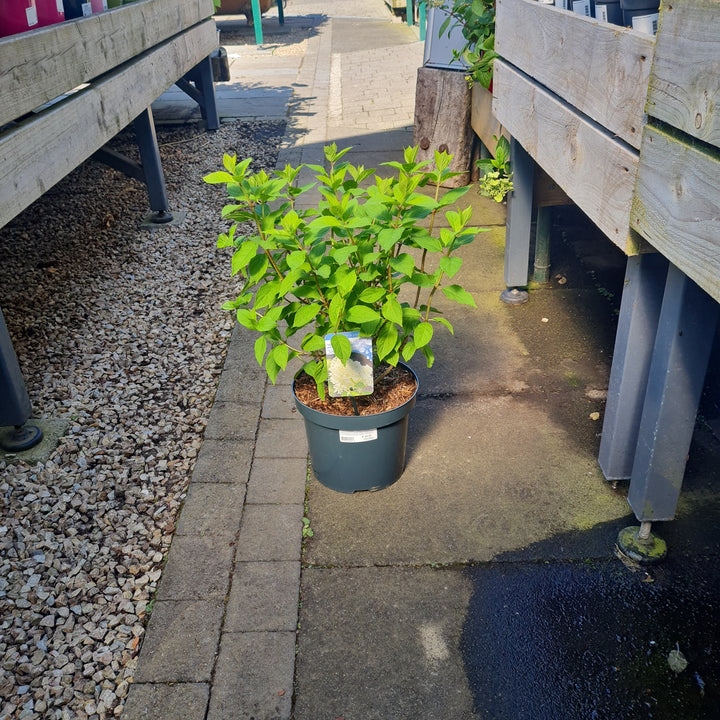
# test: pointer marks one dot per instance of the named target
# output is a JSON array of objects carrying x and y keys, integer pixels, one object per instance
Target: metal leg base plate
[
  {"x": 513, "y": 296},
  {"x": 20, "y": 438},
  {"x": 163, "y": 219},
  {"x": 641, "y": 550}
]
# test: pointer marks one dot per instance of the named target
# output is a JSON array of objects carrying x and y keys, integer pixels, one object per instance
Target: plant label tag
[
  {"x": 357, "y": 436},
  {"x": 354, "y": 376}
]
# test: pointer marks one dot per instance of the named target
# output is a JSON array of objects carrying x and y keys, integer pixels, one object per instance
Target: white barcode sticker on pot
[{"x": 357, "y": 436}]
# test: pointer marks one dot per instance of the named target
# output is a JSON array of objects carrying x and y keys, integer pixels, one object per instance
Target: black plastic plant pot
[{"x": 358, "y": 452}]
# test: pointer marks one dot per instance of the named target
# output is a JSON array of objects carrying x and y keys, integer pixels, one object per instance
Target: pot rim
[{"x": 358, "y": 422}]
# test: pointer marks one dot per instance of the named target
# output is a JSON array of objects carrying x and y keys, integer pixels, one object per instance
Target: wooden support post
[
  {"x": 442, "y": 119},
  {"x": 634, "y": 341},
  {"x": 519, "y": 219},
  {"x": 688, "y": 320},
  {"x": 15, "y": 406}
]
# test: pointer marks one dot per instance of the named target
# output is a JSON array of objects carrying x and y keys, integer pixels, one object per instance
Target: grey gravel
[{"x": 119, "y": 331}]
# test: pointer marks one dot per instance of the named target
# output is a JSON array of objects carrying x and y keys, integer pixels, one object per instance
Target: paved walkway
[
  {"x": 221, "y": 643},
  {"x": 482, "y": 584}
]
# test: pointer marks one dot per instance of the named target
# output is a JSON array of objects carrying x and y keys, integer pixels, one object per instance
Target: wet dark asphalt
[{"x": 590, "y": 640}]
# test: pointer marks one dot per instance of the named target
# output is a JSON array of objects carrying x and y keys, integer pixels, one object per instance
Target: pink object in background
[
  {"x": 17, "y": 16},
  {"x": 49, "y": 12}
]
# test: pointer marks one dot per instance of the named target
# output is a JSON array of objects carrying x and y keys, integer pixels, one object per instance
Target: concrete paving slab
[
  {"x": 212, "y": 510},
  {"x": 382, "y": 643},
  {"x": 275, "y": 481},
  {"x": 233, "y": 420},
  {"x": 254, "y": 677},
  {"x": 181, "y": 642},
  {"x": 176, "y": 701},
  {"x": 52, "y": 428},
  {"x": 281, "y": 438},
  {"x": 198, "y": 567},
  {"x": 590, "y": 640},
  {"x": 264, "y": 596},
  {"x": 472, "y": 488},
  {"x": 270, "y": 533},
  {"x": 279, "y": 403},
  {"x": 224, "y": 461},
  {"x": 242, "y": 384}
]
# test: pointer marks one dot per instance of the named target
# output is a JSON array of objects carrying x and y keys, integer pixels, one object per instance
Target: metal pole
[
  {"x": 517, "y": 232},
  {"x": 257, "y": 21},
  {"x": 541, "y": 268}
]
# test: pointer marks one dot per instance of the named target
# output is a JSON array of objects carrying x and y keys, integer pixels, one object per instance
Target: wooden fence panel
[
  {"x": 595, "y": 170},
  {"x": 602, "y": 70},
  {"x": 684, "y": 90}
]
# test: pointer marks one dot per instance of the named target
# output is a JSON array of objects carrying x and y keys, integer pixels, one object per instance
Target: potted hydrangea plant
[{"x": 347, "y": 286}]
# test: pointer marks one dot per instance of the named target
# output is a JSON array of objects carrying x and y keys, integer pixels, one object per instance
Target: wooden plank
[
  {"x": 39, "y": 152},
  {"x": 595, "y": 170},
  {"x": 685, "y": 81},
  {"x": 603, "y": 70},
  {"x": 482, "y": 120},
  {"x": 38, "y": 66},
  {"x": 677, "y": 205}
]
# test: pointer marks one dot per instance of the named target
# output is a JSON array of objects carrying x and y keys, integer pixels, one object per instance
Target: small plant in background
[
  {"x": 476, "y": 19},
  {"x": 496, "y": 176}
]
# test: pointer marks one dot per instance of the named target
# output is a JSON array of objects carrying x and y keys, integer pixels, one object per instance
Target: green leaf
[
  {"x": 336, "y": 309},
  {"x": 257, "y": 267},
  {"x": 423, "y": 334},
  {"x": 341, "y": 347},
  {"x": 271, "y": 368},
  {"x": 269, "y": 321},
  {"x": 323, "y": 222},
  {"x": 280, "y": 355},
  {"x": 372, "y": 294},
  {"x": 347, "y": 283},
  {"x": 427, "y": 242},
  {"x": 444, "y": 322},
  {"x": 218, "y": 178},
  {"x": 247, "y": 318},
  {"x": 225, "y": 241},
  {"x": 312, "y": 342},
  {"x": 450, "y": 265},
  {"x": 387, "y": 237},
  {"x": 386, "y": 340},
  {"x": 392, "y": 310},
  {"x": 306, "y": 314},
  {"x": 429, "y": 355},
  {"x": 458, "y": 294},
  {"x": 296, "y": 259},
  {"x": 362, "y": 314},
  {"x": 260, "y": 349},
  {"x": 242, "y": 256},
  {"x": 403, "y": 263},
  {"x": 342, "y": 253},
  {"x": 453, "y": 195},
  {"x": 266, "y": 295},
  {"x": 408, "y": 351}
]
